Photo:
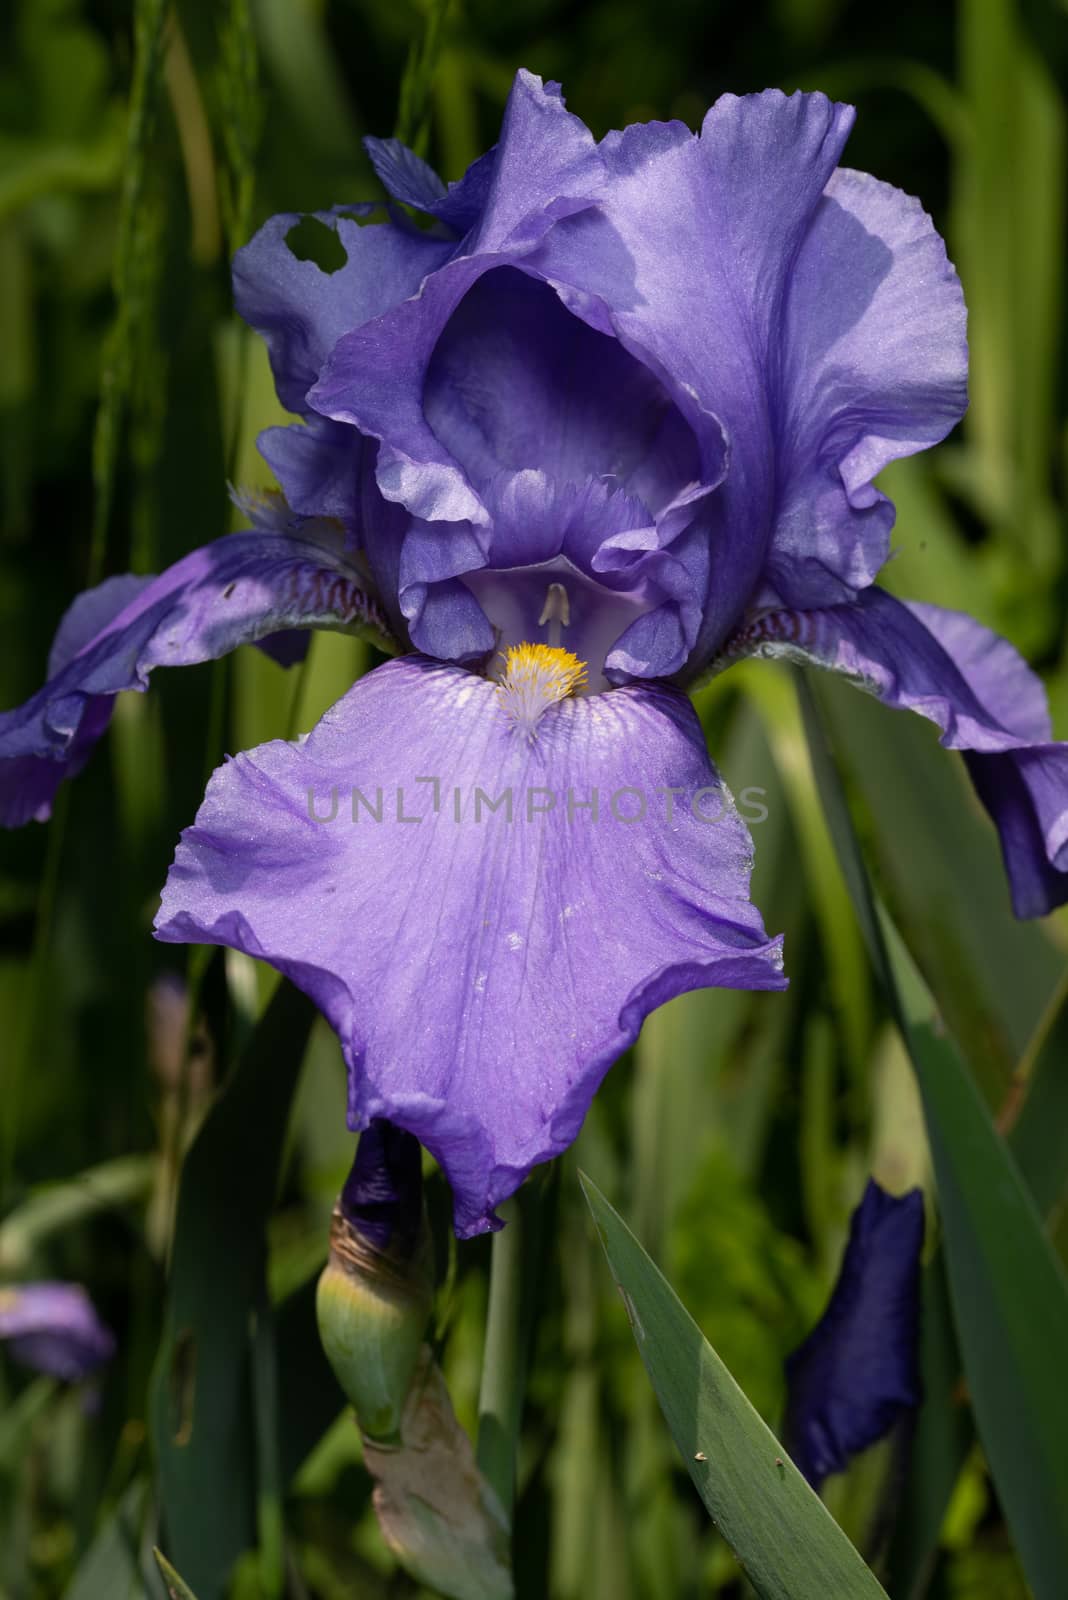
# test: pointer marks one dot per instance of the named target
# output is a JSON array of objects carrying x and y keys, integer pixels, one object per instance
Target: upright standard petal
[
  {"x": 980, "y": 693},
  {"x": 858, "y": 1370},
  {"x": 303, "y": 309},
  {"x": 241, "y": 589},
  {"x": 484, "y": 916},
  {"x": 689, "y": 255},
  {"x": 874, "y": 366},
  {"x": 545, "y": 167},
  {"x": 54, "y": 1328}
]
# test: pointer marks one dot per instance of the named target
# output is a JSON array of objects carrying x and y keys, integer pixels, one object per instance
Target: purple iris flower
[
  {"x": 858, "y": 1372},
  {"x": 53, "y": 1328},
  {"x": 610, "y": 417}
]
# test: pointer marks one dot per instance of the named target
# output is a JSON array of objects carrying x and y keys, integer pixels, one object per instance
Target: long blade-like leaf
[
  {"x": 1009, "y": 1293},
  {"x": 783, "y": 1534},
  {"x": 201, "y": 1411}
]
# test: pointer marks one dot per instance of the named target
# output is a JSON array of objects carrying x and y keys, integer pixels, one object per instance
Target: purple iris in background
[
  {"x": 54, "y": 1328},
  {"x": 608, "y": 420},
  {"x": 858, "y": 1372}
]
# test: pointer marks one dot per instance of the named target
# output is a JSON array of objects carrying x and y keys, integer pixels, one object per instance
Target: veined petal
[
  {"x": 241, "y": 589},
  {"x": 690, "y": 252},
  {"x": 403, "y": 174},
  {"x": 875, "y": 367},
  {"x": 980, "y": 693},
  {"x": 482, "y": 967},
  {"x": 858, "y": 1370},
  {"x": 409, "y": 179},
  {"x": 546, "y": 166}
]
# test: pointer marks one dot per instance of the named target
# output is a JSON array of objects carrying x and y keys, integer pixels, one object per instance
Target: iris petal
[
  {"x": 302, "y": 311},
  {"x": 975, "y": 687},
  {"x": 690, "y": 253},
  {"x": 54, "y": 1328},
  {"x": 241, "y": 589},
  {"x": 873, "y": 371},
  {"x": 545, "y": 167},
  {"x": 515, "y": 381},
  {"x": 483, "y": 968}
]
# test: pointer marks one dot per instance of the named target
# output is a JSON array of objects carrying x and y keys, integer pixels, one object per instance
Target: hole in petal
[{"x": 311, "y": 240}]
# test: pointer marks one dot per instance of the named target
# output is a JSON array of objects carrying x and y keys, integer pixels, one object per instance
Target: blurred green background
[{"x": 140, "y": 144}]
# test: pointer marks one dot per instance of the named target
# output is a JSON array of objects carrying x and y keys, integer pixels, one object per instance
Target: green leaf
[
  {"x": 117, "y": 1563},
  {"x": 943, "y": 1437},
  {"x": 177, "y": 1588},
  {"x": 1036, "y": 1133},
  {"x": 787, "y": 1540},
  {"x": 991, "y": 975},
  {"x": 1008, "y": 1290},
  {"x": 54, "y": 1208},
  {"x": 945, "y": 1432},
  {"x": 202, "y": 1416},
  {"x": 413, "y": 112},
  {"x": 1010, "y": 1299}
]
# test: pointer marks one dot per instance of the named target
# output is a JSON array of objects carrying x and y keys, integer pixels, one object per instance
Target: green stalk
[{"x": 500, "y": 1400}]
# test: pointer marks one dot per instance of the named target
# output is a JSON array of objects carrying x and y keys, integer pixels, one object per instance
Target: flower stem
[{"x": 500, "y": 1401}]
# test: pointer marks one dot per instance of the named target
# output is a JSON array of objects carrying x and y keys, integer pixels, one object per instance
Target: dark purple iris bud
[
  {"x": 857, "y": 1373},
  {"x": 382, "y": 1201},
  {"x": 375, "y": 1292},
  {"x": 53, "y": 1328},
  {"x": 613, "y": 421}
]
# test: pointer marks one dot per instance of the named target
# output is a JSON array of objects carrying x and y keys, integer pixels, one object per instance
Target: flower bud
[
  {"x": 857, "y": 1374},
  {"x": 374, "y": 1295}
]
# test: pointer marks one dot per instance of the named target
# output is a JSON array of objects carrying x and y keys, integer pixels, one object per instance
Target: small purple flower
[
  {"x": 611, "y": 420},
  {"x": 857, "y": 1372},
  {"x": 54, "y": 1328}
]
